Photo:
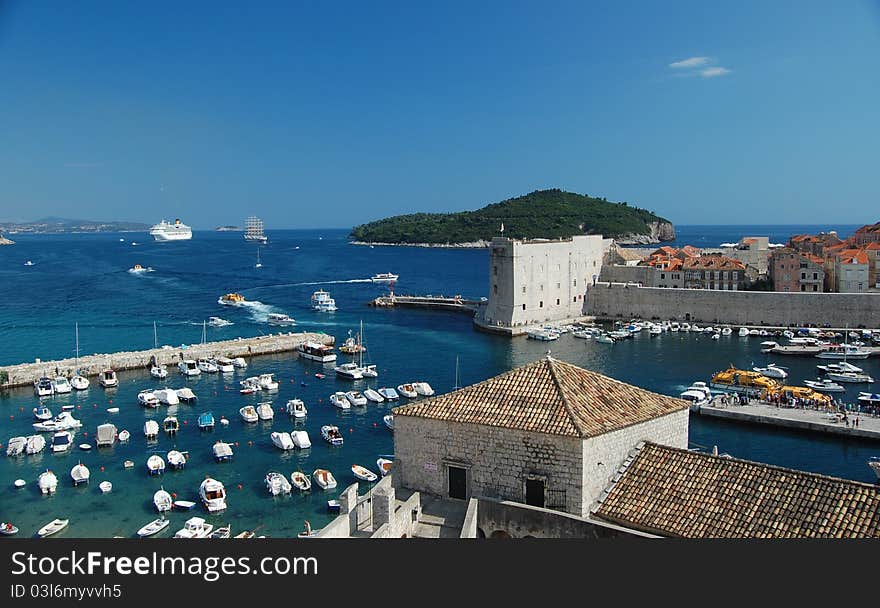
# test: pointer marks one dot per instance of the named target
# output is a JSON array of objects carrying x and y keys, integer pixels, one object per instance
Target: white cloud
[
  {"x": 690, "y": 62},
  {"x": 714, "y": 72}
]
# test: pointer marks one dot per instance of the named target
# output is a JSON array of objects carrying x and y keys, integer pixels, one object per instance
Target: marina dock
[
  {"x": 24, "y": 374},
  {"x": 795, "y": 418},
  {"x": 454, "y": 303}
]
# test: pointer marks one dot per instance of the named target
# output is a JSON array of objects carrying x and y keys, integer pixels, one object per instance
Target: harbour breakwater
[
  {"x": 755, "y": 308},
  {"x": 91, "y": 365}
]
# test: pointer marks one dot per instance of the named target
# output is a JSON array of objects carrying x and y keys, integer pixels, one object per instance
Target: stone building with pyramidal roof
[{"x": 548, "y": 434}]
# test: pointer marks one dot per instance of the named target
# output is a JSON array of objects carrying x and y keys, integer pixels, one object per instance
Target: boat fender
[
  {"x": 85, "y": 434},
  {"x": 102, "y": 469},
  {"x": 185, "y": 422},
  {"x": 96, "y": 405},
  {"x": 250, "y": 443},
  {"x": 174, "y": 495},
  {"x": 12, "y": 417},
  {"x": 239, "y": 486}
]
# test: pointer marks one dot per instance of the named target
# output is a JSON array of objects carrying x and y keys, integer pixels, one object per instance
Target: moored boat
[
  {"x": 206, "y": 421},
  {"x": 373, "y": 396},
  {"x": 154, "y": 527},
  {"x": 356, "y": 398},
  {"x": 388, "y": 419},
  {"x": 363, "y": 473},
  {"x": 186, "y": 394},
  {"x": 388, "y": 393},
  {"x": 222, "y": 451},
  {"x": 194, "y": 527},
  {"x": 62, "y": 441},
  {"x": 16, "y": 446},
  {"x": 296, "y": 408},
  {"x": 384, "y": 465},
  {"x": 176, "y": 459},
  {"x": 162, "y": 500},
  {"x": 155, "y": 465},
  {"x": 408, "y": 391},
  {"x": 170, "y": 425},
  {"x": 282, "y": 440},
  {"x": 151, "y": 429},
  {"x": 324, "y": 479},
  {"x": 316, "y": 351},
  {"x": 106, "y": 434},
  {"x": 80, "y": 474},
  {"x": 189, "y": 367},
  {"x": 277, "y": 483},
  {"x": 265, "y": 411},
  {"x": 248, "y": 413},
  {"x": 742, "y": 381},
  {"x": 423, "y": 388},
  {"x": 213, "y": 495},
  {"x": 301, "y": 439},
  {"x": 301, "y": 481},
  {"x": 53, "y": 527},
  {"x": 34, "y": 444},
  {"x": 824, "y": 385},
  {"x": 108, "y": 379},
  {"x": 47, "y": 482},
  {"x": 331, "y": 434},
  {"x": 339, "y": 400}
]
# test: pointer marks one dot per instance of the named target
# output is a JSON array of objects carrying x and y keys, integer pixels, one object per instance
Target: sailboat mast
[
  {"x": 76, "y": 329},
  {"x": 155, "y": 336},
  {"x": 456, "y": 374}
]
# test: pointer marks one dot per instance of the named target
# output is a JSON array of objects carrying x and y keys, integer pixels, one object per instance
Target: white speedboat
[
  {"x": 124, "y": 436},
  {"x": 170, "y": 425},
  {"x": 61, "y": 422},
  {"x": 186, "y": 394},
  {"x": 604, "y": 339},
  {"x": 213, "y": 495},
  {"x": 388, "y": 393},
  {"x": 340, "y": 400},
  {"x": 105, "y": 434},
  {"x": 388, "y": 419},
  {"x": 301, "y": 481},
  {"x": 542, "y": 334},
  {"x": 350, "y": 371},
  {"x": 154, "y": 527},
  {"x": 162, "y": 500},
  {"x": 151, "y": 429},
  {"x": 277, "y": 318},
  {"x": 384, "y": 277},
  {"x": 108, "y": 379},
  {"x": 249, "y": 413},
  {"x": 106, "y": 487},
  {"x": 148, "y": 398},
  {"x": 384, "y": 465},
  {"x": 167, "y": 396},
  {"x": 363, "y": 473},
  {"x": 158, "y": 371},
  {"x": 206, "y": 421},
  {"x": 155, "y": 465},
  {"x": 408, "y": 391},
  {"x": 844, "y": 351},
  {"x": 222, "y": 451},
  {"x": 316, "y": 351},
  {"x": 853, "y": 377},
  {"x": 265, "y": 411},
  {"x": 62, "y": 441},
  {"x": 222, "y": 532},
  {"x": 206, "y": 366},
  {"x": 176, "y": 459},
  {"x": 61, "y": 385},
  {"x": 355, "y": 398},
  {"x": 726, "y": 331},
  {"x": 322, "y": 302},
  {"x": 53, "y": 527},
  {"x": 249, "y": 386},
  {"x": 277, "y": 483},
  {"x": 195, "y": 527},
  {"x": 824, "y": 385},
  {"x": 166, "y": 231},
  {"x": 843, "y": 366},
  {"x": 331, "y": 434},
  {"x": 43, "y": 387},
  {"x": 80, "y": 474},
  {"x": 423, "y": 388},
  {"x": 268, "y": 382},
  {"x": 743, "y": 332},
  {"x": 47, "y": 482},
  {"x": 7, "y": 529},
  {"x": 301, "y": 439},
  {"x": 324, "y": 479},
  {"x": 296, "y": 408},
  {"x": 373, "y": 396},
  {"x": 282, "y": 440},
  {"x": 35, "y": 444},
  {"x": 218, "y": 322},
  {"x": 772, "y": 371},
  {"x": 41, "y": 412},
  {"x": 16, "y": 446},
  {"x": 224, "y": 364},
  {"x": 239, "y": 362},
  {"x": 188, "y": 367}
]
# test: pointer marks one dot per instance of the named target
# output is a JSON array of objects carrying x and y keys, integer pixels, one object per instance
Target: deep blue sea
[{"x": 83, "y": 279}]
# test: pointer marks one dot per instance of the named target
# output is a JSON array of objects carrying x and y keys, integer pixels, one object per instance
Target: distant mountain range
[{"x": 60, "y": 225}]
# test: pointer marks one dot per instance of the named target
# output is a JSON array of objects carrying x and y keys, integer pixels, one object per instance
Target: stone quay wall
[
  {"x": 91, "y": 365},
  {"x": 618, "y": 301}
]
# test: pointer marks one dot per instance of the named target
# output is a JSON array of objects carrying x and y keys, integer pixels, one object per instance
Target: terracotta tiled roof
[
  {"x": 853, "y": 256},
  {"x": 712, "y": 262},
  {"x": 689, "y": 251},
  {"x": 547, "y": 396},
  {"x": 675, "y": 492}
]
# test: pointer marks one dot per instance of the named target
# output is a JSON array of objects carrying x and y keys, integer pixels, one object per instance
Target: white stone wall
[
  {"x": 603, "y": 455},
  {"x": 852, "y": 278},
  {"x": 498, "y": 460},
  {"x": 537, "y": 281}
]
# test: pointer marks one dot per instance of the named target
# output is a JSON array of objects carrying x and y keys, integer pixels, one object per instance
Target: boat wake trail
[{"x": 310, "y": 283}]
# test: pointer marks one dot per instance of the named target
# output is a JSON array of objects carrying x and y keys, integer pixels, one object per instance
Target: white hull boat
[
  {"x": 316, "y": 352},
  {"x": 423, "y": 388},
  {"x": 148, "y": 399},
  {"x": 384, "y": 465},
  {"x": 53, "y": 527},
  {"x": 162, "y": 500},
  {"x": 42, "y": 413},
  {"x": 222, "y": 451},
  {"x": 106, "y": 487},
  {"x": 186, "y": 394},
  {"x": 43, "y": 387},
  {"x": 363, "y": 473},
  {"x": 108, "y": 379},
  {"x": 265, "y": 411},
  {"x": 154, "y": 527},
  {"x": 61, "y": 386},
  {"x": 268, "y": 382},
  {"x": 151, "y": 429},
  {"x": 167, "y": 396},
  {"x": 62, "y": 441},
  {"x": 195, "y": 527},
  {"x": 213, "y": 495},
  {"x": 301, "y": 481},
  {"x": 331, "y": 434},
  {"x": 224, "y": 364},
  {"x": 852, "y": 377},
  {"x": 35, "y": 444},
  {"x": 772, "y": 371},
  {"x": 206, "y": 366},
  {"x": 296, "y": 408},
  {"x": 389, "y": 421},
  {"x": 188, "y": 367},
  {"x": 324, "y": 479},
  {"x": 79, "y": 383},
  {"x": 373, "y": 396},
  {"x": 16, "y": 446},
  {"x": 80, "y": 474},
  {"x": 355, "y": 398},
  {"x": 155, "y": 465},
  {"x": 62, "y": 422},
  {"x": 239, "y": 362},
  {"x": 176, "y": 459},
  {"x": 159, "y": 372},
  {"x": 388, "y": 393},
  {"x": 339, "y": 400},
  {"x": 408, "y": 391},
  {"x": 249, "y": 413},
  {"x": 47, "y": 482},
  {"x": 277, "y": 484},
  {"x": 282, "y": 440},
  {"x": 350, "y": 371},
  {"x": 301, "y": 439}
]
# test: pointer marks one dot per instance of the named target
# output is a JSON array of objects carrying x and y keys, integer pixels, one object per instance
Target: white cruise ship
[{"x": 166, "y": 231}]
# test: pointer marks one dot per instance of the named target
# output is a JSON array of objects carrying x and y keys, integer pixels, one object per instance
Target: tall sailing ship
[{"x": 253, "y": 230}]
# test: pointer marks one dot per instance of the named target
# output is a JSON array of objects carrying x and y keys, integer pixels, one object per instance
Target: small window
[
  {"x": 524, "y": 306},
  {"x": 495, "y": 288},
  {"x": 557, "y": 301},
  {"x": 574, "y": 299},
  {"x": 815, "y": 288},
  {"x": 575, "y": 283},
  {"x": 559, "y": 286},
  {"x": 524, "y": 288},
  {"x": 541, "y": 304},
  {"x": 803, "y": 287},
  {"x": 495, "y": 269}
]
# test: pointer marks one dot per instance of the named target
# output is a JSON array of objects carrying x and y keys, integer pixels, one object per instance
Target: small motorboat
[
  {"x": 249, "y": 413},
  {"x": 151, "y": 429},
  {"x": 61, "y": 422},
  {"x": 42, "y": 412},
  {"x": 772, "y": 371},
  {"x": 124, "y": 436},
  {"x": 222, "y": 532},
  {"x": 128, "y": 464},
  {"x": 154, "y": 527},
  {"x": 340, "y": 400},
  {"x": 265, "y": 411},
  {"x": 167, "y": 396},
  {"x": 79, "y": 383},
  {"x": 333, "y": 505},
  {"x": 155, "y": 465},
  {"x": 855, "y": 377},
  {"x": 245, "y": 534},
  {"x": 112, "y": 410},
  {"x": 207, "y": 366},
  {"x": 384, "y": 465},
  {"x": 85, "y": 447},
  {"x": 189, "y": 367},
  {"x": 108, "y": 379},
  {"x": 232, "y": 299},
  {"x": 16, "y": 446},
  {"x": 355, "y": 398},
  {"x": 206, "y": 421},
  {"x": 61, "y": 385},
  {"x": 301, "y": 481},
  {"x": 47, "y": 482},
  {"x": 163, "y": 501},
  {"x": 363, "y": 473},
  {"x": 35, "y": 444},
  {"x": 213, "y": 495},
  {"x": 160, "y": 372},
  {"x": 408, "y": 391},
  {"x": 184, "y": 505},
  {"x": 68, "y": 408},
  {"x": 277, "y": 318},
  {"x": 324, "y": 479},
  {"x": 239, "y": 362},
  {"x": 301, "y": 439},
  {"x": 137, "y": 268},
  {"x": 249, "y": 386},
  {"x": 170, "y": 425},
  {"x": 388, "y": 419},
  {"x": 222, "y": 451},
  {"x": 373, "y": 396},
  {"x": 61, "y": 441},
  {"x": 331, "y": 434},
  {"x": 7, "y": 529},
  {"x": 195, "y": 527},
  {"x": 186, "y": 394},
  {"x": 388, "y": 393},
  {"x": 423, "y": 388},
  {"x": 296, "y": 408},
  {"x": 43, "y": 387},
  {"x": 268, "y": 382},
  {"x": 19, "y": 483},
  {"x": 148, "y": 399},
  {"x": 218, "y": 322},
  {"x": 282, "y": 440},
  {"x": 277, "y": 483},
  {"x": 80, "y": 474},
  {"x": 176, "y": 459},
  {"x": 53, "y": 527},
  {"x": 824, "y": 385},
  {"x": 105, "y": 487},
  {"x": 224, "y": 364}
]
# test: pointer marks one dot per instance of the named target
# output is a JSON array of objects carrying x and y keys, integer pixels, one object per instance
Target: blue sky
[{"x": 320, "y": 114}]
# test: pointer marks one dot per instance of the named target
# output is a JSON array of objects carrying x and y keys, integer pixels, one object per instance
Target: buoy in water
[{"x": 102, "y": 469}]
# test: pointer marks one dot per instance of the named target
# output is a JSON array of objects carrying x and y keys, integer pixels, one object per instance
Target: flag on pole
[{"x": 502, "y": 227}]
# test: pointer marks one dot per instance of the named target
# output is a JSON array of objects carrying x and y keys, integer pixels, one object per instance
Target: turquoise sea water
[{"x": 83, "y": 278}]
